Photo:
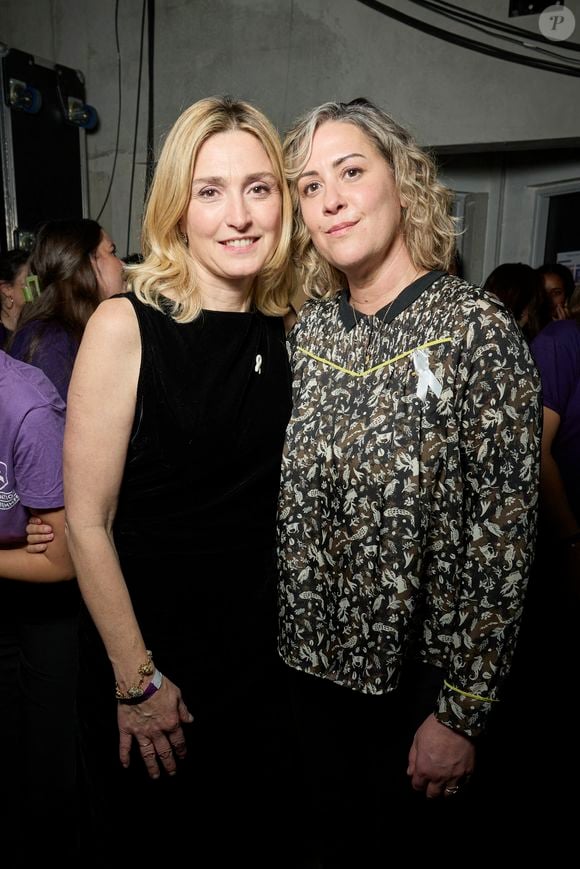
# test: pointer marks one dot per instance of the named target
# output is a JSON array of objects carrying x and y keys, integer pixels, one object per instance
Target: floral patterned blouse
[{"x": 409, "y": 494}]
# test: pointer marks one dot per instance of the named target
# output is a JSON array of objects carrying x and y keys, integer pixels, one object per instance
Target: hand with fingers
[
  {"x": 440, "y": 760},
  {"x": 156, "y": 725},
  {"x": 38, "y": 535},
  {"x": 560, "y": 312}
]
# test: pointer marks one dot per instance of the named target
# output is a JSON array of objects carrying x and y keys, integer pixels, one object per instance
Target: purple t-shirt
[
  {"x": 54, "y": 354},
  {"x": 556, "y": 350},
  {"x": 32, "y": 417}
]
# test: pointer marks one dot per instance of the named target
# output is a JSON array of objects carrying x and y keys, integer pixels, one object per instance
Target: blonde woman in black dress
[{"x": 177, "y": 410}]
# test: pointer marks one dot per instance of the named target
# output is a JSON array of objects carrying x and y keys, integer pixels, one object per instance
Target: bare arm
[
  {"x": 554, "y": 498},
  {"x": 101, "y": 405},
  {"x": 555, "y": 502},
  {"x": 53, "y": 565},
  {"x": 100, "y": 412}
]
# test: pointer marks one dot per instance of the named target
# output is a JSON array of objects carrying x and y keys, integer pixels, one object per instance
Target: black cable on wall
[
  {"x": 472, "y": 44},
  {"x": 135, "y": 133},
  {"x": 466, "y": 16},
  {"x": 151, "y": 94},
  {"x": 98, "y": 217}
]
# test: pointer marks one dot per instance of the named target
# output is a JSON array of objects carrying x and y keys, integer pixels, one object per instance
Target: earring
[
  {"x": 9, "y": 302},
  {"x": 183, "y": 237}
]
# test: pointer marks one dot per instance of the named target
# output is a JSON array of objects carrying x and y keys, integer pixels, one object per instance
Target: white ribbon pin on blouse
[{"x": 427, "y": 379}]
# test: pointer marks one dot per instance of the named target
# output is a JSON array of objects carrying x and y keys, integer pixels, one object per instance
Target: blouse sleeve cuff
[{"x": 462, "y": 710}]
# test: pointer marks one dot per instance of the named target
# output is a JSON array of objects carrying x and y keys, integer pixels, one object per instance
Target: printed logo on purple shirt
[{"x": 7, "y": 499}]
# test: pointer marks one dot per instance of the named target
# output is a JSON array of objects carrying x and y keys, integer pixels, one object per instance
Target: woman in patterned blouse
[{"x": 409, "y": 483}]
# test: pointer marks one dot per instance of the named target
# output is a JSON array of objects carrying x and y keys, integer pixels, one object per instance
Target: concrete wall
[
  {"x": 287, "y": 55},
  {"x": 514, "y": 186}
]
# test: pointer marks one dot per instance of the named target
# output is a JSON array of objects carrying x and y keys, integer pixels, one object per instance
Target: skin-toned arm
[
  {"x": 554, "y": 498},
  {"x": 101, "y": 405},
  {"x": 54, "y": 565}
]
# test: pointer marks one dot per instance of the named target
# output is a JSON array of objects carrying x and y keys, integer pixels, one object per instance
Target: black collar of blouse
[{"x": 405, "y": 298}]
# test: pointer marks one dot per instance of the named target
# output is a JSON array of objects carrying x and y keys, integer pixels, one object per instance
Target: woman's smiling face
[
  {"x": 349, "y": 200},
  {"x": 233, "y": 219}
]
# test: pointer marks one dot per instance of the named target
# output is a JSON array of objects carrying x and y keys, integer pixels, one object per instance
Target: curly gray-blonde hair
[{"x": 428, "y": 228}]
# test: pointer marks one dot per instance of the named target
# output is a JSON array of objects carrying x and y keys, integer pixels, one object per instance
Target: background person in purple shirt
[
  {"x": 13, "y": 274},
  {"x": 556, "y": 350},
  {"x": 557, "y": 286},
  {"x": 38, "y": 624},
  {"x": 546, "y": 664},
  {"x": 77, "y": 267}
]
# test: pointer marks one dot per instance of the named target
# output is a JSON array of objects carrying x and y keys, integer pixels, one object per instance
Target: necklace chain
[
  {"x": 368, "y": 354},
  {"x": 382, "y": 318},
  {"x": 388, "y": 307}
]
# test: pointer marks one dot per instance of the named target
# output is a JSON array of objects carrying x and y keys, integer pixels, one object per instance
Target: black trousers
[
  {"x": 357, "y": 800},
  {"x": 38, "y": 727},
  {"x": 530, "y": 753}
]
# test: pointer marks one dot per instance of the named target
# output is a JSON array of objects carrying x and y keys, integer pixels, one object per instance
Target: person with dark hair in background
[
  {"x": 409, "y": 492},
  {"x": 77, "y": 267},
  {"x": 38, "y": 628},
  {"x": 516, "y": 285},
  {"x": 557, "y": 286},
  {"x": 13, "y": 274}
]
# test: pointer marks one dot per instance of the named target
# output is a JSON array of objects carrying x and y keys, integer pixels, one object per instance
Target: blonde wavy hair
[
  {"x": 168, "y": 266},
  {"x": 428, "y": 227}
]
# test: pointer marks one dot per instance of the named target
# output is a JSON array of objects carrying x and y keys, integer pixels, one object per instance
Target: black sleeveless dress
[{"x": 195, "y": 535}]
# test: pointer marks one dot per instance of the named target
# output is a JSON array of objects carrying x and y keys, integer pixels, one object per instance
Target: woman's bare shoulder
[{"x": 115, "y": 319}]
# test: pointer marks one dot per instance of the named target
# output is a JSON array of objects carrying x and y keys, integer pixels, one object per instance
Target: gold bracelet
[{"x": 136, "y": 690}]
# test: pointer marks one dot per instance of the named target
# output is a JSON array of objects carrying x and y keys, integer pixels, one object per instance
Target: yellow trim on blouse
[
  {"x": 467, "y": 694},
  {"x": 375, "y": 367}
]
